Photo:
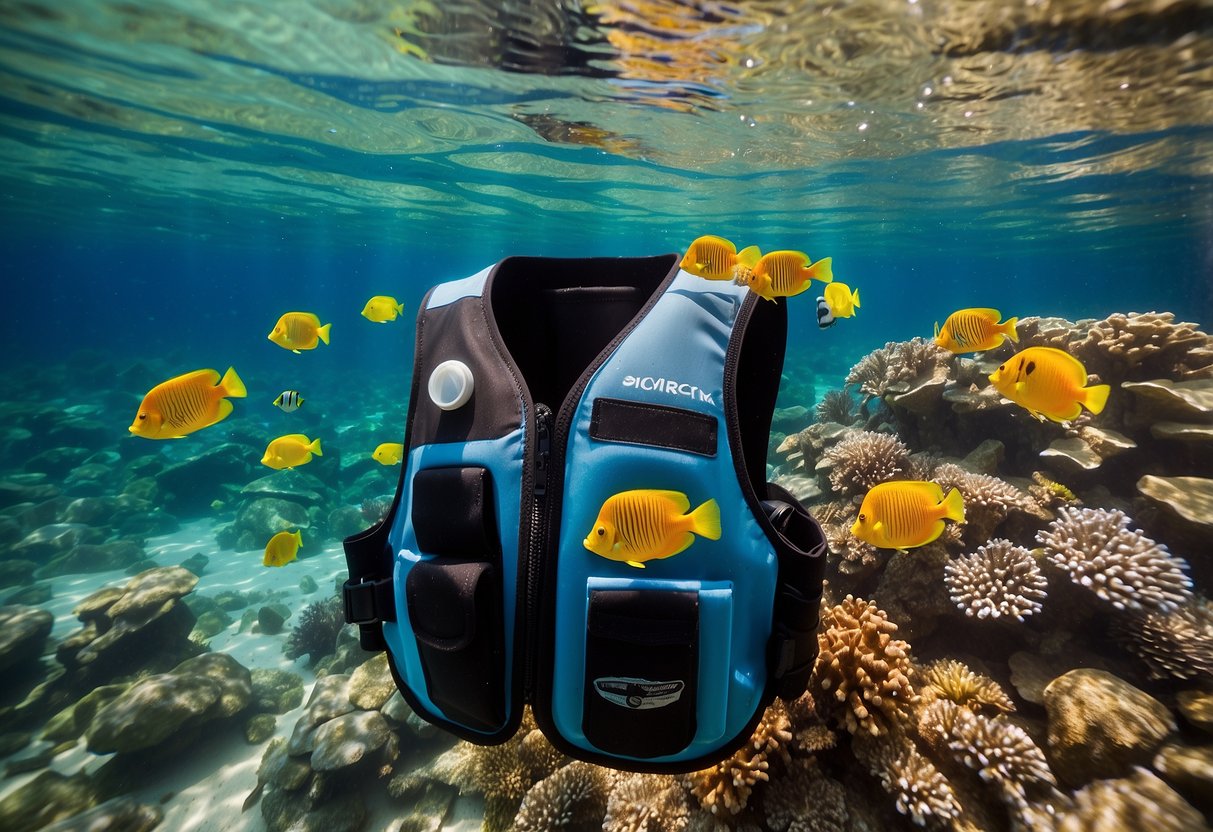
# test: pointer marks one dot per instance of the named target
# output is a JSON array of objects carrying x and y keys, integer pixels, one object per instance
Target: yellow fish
[
  {"x": 282, "y": 548},
  {"x": 299, "y": 331},
  {"x": 904, "y": 514},
  {"x": 974, "y": 330},
  {"x": 187, "y": 403},
  {"x": 290, "y": 450},
  {"x": 714, "y": 257},
  {"x": 842, "y": 299},
  {"x": 635, "y": 526},
  {"x": 782, "y": 274},
  {"x": 389, "y": 453},
  {"x": 1049, "y": 382},
  {"x": 382, "y": 309}
]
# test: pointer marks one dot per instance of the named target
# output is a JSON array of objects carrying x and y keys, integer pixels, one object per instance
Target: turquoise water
[{"x": 176, "y": 175}]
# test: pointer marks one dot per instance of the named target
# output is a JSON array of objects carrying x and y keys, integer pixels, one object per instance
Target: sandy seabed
[{"x": 204, "y": 791}]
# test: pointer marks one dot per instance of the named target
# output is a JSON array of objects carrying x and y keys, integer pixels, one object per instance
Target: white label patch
[
  {"x": 668, "y": 385},
  {"x": 638, "y": 694}
]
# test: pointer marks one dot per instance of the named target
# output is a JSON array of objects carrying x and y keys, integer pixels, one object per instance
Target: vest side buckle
[{"x": 368, "y": 601}]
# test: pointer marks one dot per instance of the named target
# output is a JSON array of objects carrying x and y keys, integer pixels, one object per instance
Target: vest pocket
[
  {"x": 641, "y": 671},
  {"x": 455, "y": 612}
]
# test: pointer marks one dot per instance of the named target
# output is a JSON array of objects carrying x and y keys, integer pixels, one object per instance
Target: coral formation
[
  {"x": 725, "y": 788},
  {"x": 1099, "y": 551},
  {"x": 1145, "y": 344},
  {"x": 862, "y": 673},
  {"x": 573, "y": 797},
  {"x": 1139, "y": 801},
  {"x": 647, "y": 803},
  {"x": 999, "y": 580},
  {"x": 865, "y": 459},
  {"x": 805, "y": 800},
  {"x": 898, "y": 366},
  {"x": 1051, "y": 494},
  {"x": 988, "y": 500},
  {"x": 954, "y": 681},
  {"x": 1173, "y": 645},
  {"x": 836, "y": 406},
  {"x": 316, "y": 633},
  {"x": 918, "y": 788}
]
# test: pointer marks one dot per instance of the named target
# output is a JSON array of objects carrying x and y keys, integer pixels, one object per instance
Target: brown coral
[
  {"x": 897, "y": 366},
  {"x": 1173, "y": 645},
  {"x": 862, "y": 673},
  {"x": 856, "y": 555},
  {"x": 810, "y": 734},
  {"x": 988, "y": 500},
  {"x": 1099, "y": 551},
  {"x": 647, "y": 803},
  {"x": 865, "y": 459},
  {"x": 725, "y": 788},
  {"x": 1141, "y": 345},
  {"x": 573, "y": 797},
  {"x": 836, "y": 406},
  {"x": 919, "y": 789},
  {"x": 954, "y": 681},
  {"x": 999, "y": 580},
  {"x": 805, "y": 800},
  {"x": 1139, "y": 801}
]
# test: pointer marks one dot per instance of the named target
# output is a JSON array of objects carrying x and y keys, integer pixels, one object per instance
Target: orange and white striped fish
[
  {"x": 782, "y": 274},
  {"x": 187, "y": 403},
  {"x": 299, "y": 331},
  {"x": 715, "y": 257},
  {"x": 974, "y": 330},
  {"x": 905, "y": 514},
  {"x": 646, "y": 524}
]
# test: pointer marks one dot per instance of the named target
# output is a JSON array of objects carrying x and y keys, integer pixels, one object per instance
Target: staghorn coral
[
  {"x": 862, "y": 673},
  {"x": 316, "y": 633},
  {"x": 1141, "y": 345},
  {"x": 805, "y": 800},
  {"x": 1099, "y": 551},
  {"x": 1173, "y": 645},
  {"x": 919, "y": 789},
  {"x": 897, "y": 366},
  {"x": 836, "y": 406},
  {"x": 573, "y": 797},
  {"x": 647, "y": 803},
  {"x": 1139, "y": 801},
  {"x": 999, "y": 580},
  {"x": 1000, "y": 752},
  {"x": 954, "y": 681},
  {"x": 865, "y": 459},
  {"x": 988, "y": 500},
  {"x": 725, "y": 788}
]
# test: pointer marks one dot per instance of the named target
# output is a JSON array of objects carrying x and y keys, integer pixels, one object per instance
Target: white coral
[{"x": 999, "y": 580}]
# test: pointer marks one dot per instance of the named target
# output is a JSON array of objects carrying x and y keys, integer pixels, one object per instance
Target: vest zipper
[{"x": 537, "y": 540}]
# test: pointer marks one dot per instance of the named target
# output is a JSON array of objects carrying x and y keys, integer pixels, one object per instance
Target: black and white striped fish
[
  {"x": 288, "y": 400},
  {"x": 825, "y": 317}
]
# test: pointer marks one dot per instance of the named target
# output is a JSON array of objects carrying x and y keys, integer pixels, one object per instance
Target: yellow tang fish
[
  {"x": 904, "y": 514},
  {"x": 782, "y": 274},
  {"x": 1049, "y": 382},
  {"x": 290, "y": 450},
  {"x": 187, "y": 403},
  {"x": 299, "y": 331},
  {"x": 714, "y": 257},
  {"x": 389, "y": 453},
  {"x": 635, "y": 526},
  {"x": 382, "y": 309},
  {"x": 842, "y": 299},
  {"x": 974, "y": 330},
  {"x": 282, "y": 548}
]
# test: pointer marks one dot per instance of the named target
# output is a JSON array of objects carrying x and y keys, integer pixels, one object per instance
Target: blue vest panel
[{"x": 591, "y": 381}]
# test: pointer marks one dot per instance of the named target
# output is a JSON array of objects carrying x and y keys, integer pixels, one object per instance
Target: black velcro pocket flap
[
  {"x": 442, "y": 601},
  {"x": 639, "y": 423},
  {"x": 453, "y": 513}
]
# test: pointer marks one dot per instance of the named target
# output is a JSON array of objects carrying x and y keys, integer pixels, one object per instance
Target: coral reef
[
  {"x": 1139, "y": 801},
  {"x": 899, "y": 367},
  {"x": 805, "y": 800},
  {"x": 1145, "y": 344},
  {"x": 316, "y": 633},
  {"x": 987, "y": 499},
  {"x": 1099, "y": 551},
  {"x": 647, "y": 803},
  {"x": 725, "y": 788},
  {"x": 999, "y": 580},
  {"x": 862, "y": 673},
  {"x": 865, "y": 459},
  {"x": 918, "y": 788},
  {"x": 1172, "y": 645},
  {"x": 836, "y": 406},
  {"x": 573, "y": 797},
  {"x": 954, "y": 681}
]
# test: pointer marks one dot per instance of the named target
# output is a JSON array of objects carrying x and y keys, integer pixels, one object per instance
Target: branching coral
[
  {"x": 810, "y": 734},
  {"x": 805, "y": 800},
  {"x": 897, "y": 365},
  {"x": 919, "y": 789},
  {"x": 988, "y": 500},
  {"x": 836, "y": 406},
  {"x": 725, "y": 788},
  {"x": 999, "y": 580},
  {"x": 1099, "y": 551},
  {"x": 316, "y": 633},
  {"x": 647, "y": 803},
  {"x": 862, "y": 673},
  {"x": 865, "y": 459},
  {"x": 1173, "y": 645},
  {"x": 1144, "y": 345},
  {"x": 573, "y": 798},
  {"x": 954, "y": 681},
  {"x": 1139, "y": 801}
]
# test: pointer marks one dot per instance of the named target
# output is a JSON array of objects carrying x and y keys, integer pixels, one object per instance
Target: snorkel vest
[{"x": 542, "y": 388}]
